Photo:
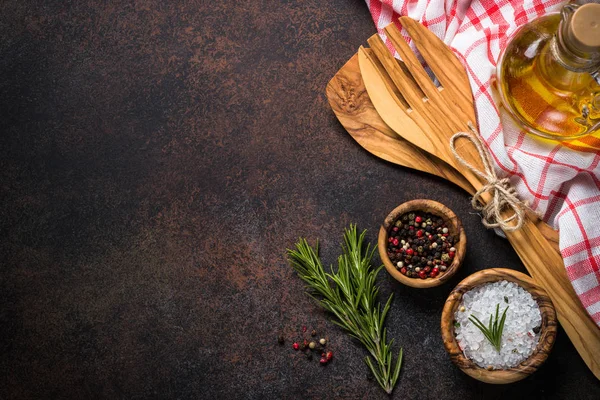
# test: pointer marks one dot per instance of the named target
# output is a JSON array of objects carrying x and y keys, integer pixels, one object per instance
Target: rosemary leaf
[
  {"x": 493, "y": 332},
  {"x": 350, "y": 295}
]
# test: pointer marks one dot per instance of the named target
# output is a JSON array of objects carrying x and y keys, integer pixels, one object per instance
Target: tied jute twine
[{"x": 503, "y": 194}]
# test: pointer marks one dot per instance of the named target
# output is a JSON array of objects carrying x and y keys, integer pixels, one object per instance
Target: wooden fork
[
  {"x": 427, "y": 116},
  {"x": 351, "y": 104}
]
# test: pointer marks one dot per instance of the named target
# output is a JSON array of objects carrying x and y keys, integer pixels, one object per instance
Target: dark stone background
[{"x": 156, "y": 160}]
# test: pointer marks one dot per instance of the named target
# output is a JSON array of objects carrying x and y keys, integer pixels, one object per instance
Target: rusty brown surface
[{"x": 156, "y": 160}]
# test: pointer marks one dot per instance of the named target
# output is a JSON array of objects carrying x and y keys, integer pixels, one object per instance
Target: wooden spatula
[
  {"x": 428, "y": 117},
  {"x": 351, "y": 104}
]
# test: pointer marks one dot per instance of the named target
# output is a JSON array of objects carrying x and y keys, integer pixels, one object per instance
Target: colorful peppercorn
[{"x": 420, "y": 245}]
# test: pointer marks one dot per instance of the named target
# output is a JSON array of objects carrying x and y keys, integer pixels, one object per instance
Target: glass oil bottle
[{"x": 549, "y": 73}]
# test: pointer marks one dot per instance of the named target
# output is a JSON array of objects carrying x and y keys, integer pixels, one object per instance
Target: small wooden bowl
[
  {"x": 454, "y": 227},
  {"x": 547, "y": 330}
]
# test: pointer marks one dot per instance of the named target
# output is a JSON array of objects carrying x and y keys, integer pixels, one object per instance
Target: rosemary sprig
[
  {"x": 351, "y": 299},
  {"x": 493, "y": 332}
]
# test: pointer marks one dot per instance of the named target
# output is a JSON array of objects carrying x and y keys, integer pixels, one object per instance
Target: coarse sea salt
[{"x": 519, "y": 338}]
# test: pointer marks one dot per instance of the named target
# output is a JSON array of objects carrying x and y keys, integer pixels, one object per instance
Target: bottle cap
[{"x": 583, "y": 32}]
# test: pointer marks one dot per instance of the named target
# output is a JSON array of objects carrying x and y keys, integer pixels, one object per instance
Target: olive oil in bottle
[{"x": 549, "y": 73}]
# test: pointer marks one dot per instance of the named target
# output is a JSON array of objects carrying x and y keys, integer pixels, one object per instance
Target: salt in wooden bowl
[{"x": 547, "y": 329}]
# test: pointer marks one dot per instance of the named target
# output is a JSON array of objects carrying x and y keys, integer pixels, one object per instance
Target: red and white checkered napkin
[{"x": 560, "y": 182}]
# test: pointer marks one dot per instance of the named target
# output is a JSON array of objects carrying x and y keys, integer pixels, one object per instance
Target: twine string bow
[{"x": 503, "y": 193}]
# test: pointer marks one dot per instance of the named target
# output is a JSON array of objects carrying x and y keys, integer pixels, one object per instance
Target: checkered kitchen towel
[{"x": 561, "y": 182}]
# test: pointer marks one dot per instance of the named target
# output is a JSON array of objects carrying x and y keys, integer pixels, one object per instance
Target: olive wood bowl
[
  {"x": 547, "y": 330},
  {"x": 454, "y": 227}
]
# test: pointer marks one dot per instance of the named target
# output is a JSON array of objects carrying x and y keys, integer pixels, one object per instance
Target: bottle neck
[
  {"x": 561, "y": 70},
  {"x": 564, "y": 65},
  {"x": 565, "y": 49}
]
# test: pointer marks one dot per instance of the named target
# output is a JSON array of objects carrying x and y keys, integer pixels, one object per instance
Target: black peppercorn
[{"x": 417, "y": 241}]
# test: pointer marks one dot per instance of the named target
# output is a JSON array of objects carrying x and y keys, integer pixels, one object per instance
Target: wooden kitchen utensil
[
  {"x": 441, "y": 113},
  {"x": 352, "y": 106}
]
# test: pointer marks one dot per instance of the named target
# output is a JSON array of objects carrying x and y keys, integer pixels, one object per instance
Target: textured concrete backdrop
[{"x": 156, "y": 160}]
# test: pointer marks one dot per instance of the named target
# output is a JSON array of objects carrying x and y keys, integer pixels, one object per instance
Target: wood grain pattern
[
  {"x": 429, "y": 116},
  {"x": 547, "y": 331},
  {"x": 454, "y": 226},
  {"x": 351, "y": 104},
  {"x": 538, "y": 256},
  {"x": 355, "y": 111}
]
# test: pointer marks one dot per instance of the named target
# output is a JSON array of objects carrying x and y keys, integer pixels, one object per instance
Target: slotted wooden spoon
[
  {"x": 351, "y": 104},
  {"x": 428, "y": 117}
]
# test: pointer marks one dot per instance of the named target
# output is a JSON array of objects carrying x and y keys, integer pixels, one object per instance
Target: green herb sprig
[
  {"x": 351, "y": 299},
  {"x": 493, "y": 332}
]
